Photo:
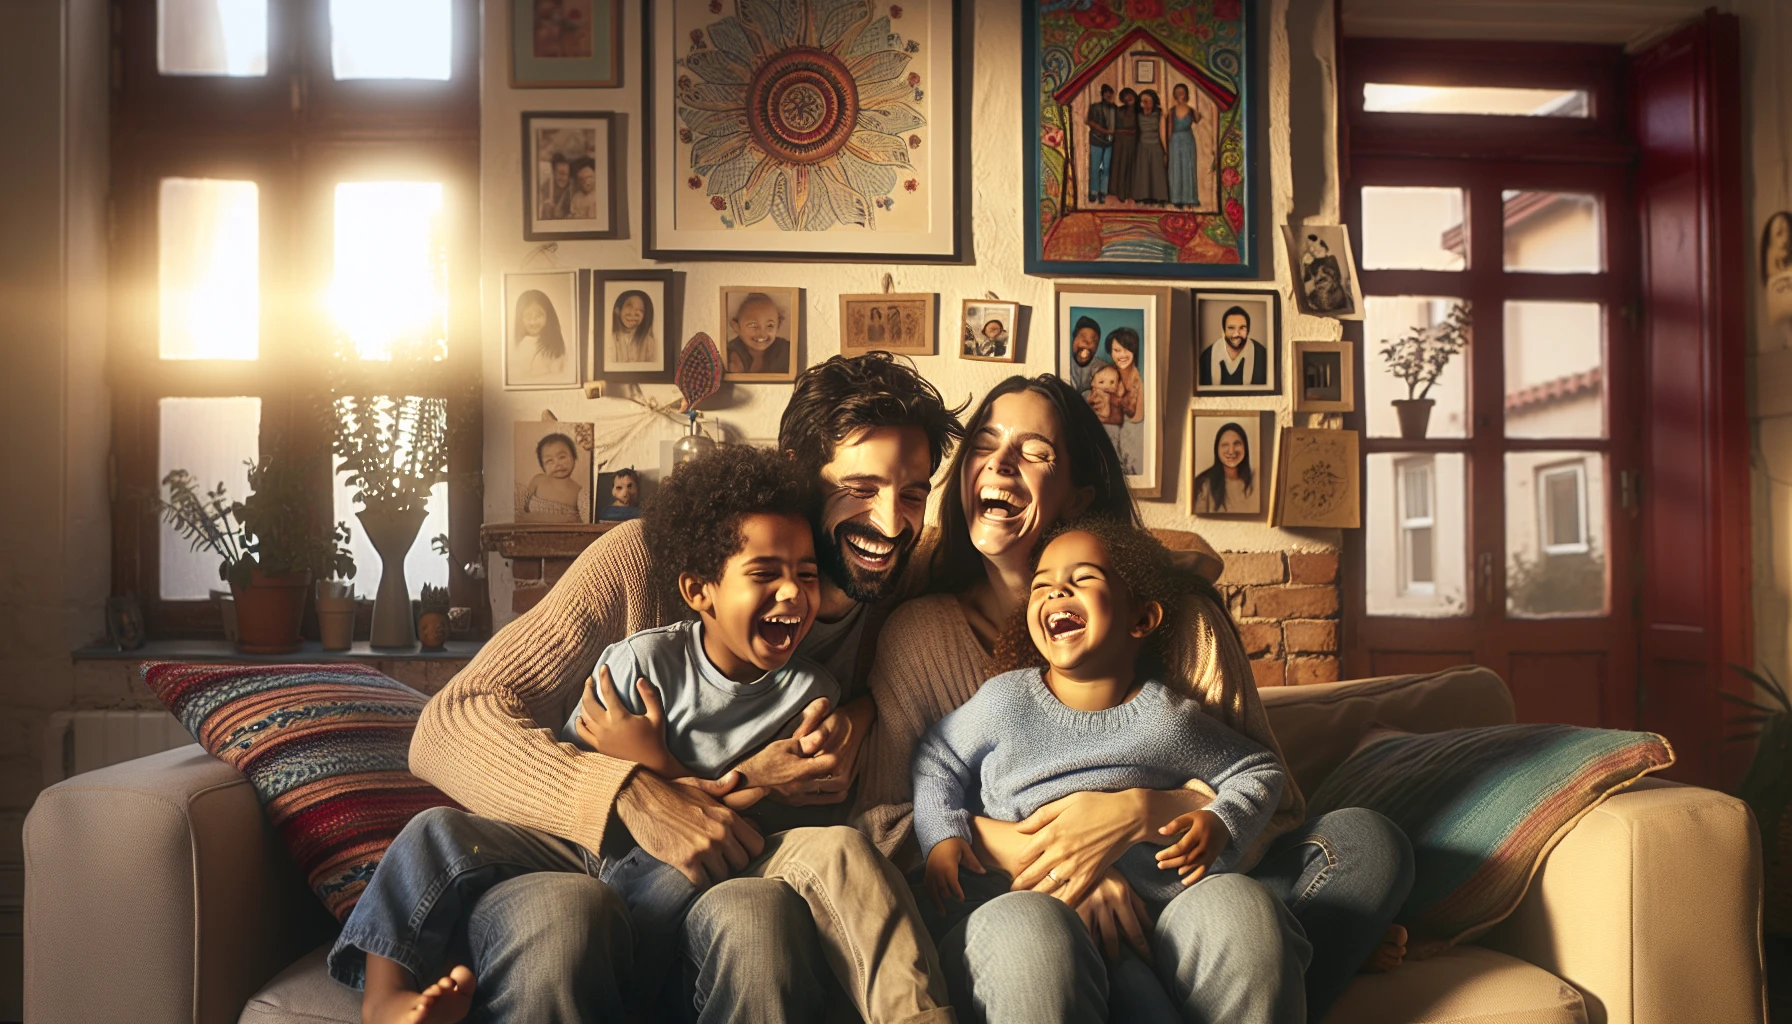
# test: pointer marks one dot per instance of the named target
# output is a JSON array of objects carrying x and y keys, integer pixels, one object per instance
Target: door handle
[{"x": 1486, "y": 581}]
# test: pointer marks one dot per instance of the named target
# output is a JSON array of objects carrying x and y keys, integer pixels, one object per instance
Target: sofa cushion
[
  {"x": 1482, "y": 808},
  {"x": 326, "y": 748},
  {"x": 305, "y": 994},
  {"x": 1465, "y": 985}
]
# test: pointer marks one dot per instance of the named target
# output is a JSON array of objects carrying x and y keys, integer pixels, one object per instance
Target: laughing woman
[{"x": 1236, "y": 948}]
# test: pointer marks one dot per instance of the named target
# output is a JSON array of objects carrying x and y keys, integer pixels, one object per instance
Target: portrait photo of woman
[
  {"x": 541, "y": 311},
  {"x": 631, "y": 331},
  {"x": 1229, "y": 467},
  {"x": 634, "y": 326}
]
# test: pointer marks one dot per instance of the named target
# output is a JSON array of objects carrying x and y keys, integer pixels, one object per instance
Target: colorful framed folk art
[
  {"x": 565, "y": 44},
  {"x": 1114, "y": 349},
  {"x": 1140, "y": 118},
  {"x": 805, "y": 131}
]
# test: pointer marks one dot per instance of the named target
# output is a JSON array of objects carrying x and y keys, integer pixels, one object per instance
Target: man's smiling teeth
[{"x": 873, "y": 551}]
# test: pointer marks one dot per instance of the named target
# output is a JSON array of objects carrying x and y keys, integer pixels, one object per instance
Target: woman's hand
[
  {"x": 1204, "y": 838},
  {"x": 942, "y": 870},
  {"x": 1076, "y": 839},
  {"x": 1113, "y": 912}
]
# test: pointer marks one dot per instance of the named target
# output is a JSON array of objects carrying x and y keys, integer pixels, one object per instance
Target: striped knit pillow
[
  {"x": 326, "y": 748},
  {"x": 1482, "y": 808}
]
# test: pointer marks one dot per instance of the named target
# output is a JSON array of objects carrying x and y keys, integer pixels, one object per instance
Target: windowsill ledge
[{"x": 309, "y": 652}]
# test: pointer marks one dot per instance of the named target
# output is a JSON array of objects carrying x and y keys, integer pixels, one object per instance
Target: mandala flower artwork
[{"x": 801, "y": 111}]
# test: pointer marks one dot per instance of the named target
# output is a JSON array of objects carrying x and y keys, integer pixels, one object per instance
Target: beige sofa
[{"x": 155, "y": 893}]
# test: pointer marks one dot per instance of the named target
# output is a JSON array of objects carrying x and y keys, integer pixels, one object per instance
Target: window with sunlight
[
  {"x": 390, "y": 287},
  {"x": 392, "y": 38},
  {"x": 208, "y": 242},
  {"x": 1387, "y": 98},
  {"x": 212, "y": 37},
  {"x": 400, "y": 422},
  {"x": 214, "y": 440}
]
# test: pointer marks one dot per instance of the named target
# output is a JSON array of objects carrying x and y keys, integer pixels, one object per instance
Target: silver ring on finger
[{"x": 1053, "y": 875}]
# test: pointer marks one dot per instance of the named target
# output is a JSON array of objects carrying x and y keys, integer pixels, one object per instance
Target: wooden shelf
[{"x": 540, "y": 540}]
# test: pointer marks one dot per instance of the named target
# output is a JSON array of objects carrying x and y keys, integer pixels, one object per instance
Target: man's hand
[
  {"x": 682, "y": 824},
  {"x": 610, "y": 728},
  {"x": 798, "y": 777},
  {"x": 942, "y": 870},
  {"x": 1204, "y": 838},
  {"x": 1112, "y": 912},
  {"x": 1076, "y": 839}
]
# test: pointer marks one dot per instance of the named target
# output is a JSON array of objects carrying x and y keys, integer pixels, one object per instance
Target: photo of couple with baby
[{"x": 787, "y": 742}]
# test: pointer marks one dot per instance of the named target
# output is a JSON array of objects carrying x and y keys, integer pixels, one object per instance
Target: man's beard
[{"x": 863, "y": 585}]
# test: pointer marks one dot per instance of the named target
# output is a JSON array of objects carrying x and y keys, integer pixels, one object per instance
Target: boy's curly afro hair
[{"x": 692, "y": 525}]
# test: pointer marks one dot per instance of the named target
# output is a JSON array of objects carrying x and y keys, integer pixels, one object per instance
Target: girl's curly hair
[
  {"x": 1146, "y": 569},
  {"x": 692, "y": 524}
]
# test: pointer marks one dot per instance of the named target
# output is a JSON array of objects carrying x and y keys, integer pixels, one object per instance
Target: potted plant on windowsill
[
  {"x": 1419, "y": 359},
  {"x": 267, "y": 546}
]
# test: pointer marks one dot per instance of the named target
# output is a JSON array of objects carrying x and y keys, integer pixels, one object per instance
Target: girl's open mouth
[{"x": 1064, "y": 626}]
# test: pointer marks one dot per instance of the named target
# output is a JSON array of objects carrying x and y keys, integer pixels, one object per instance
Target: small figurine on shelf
[
  {"x": 432, "y": 624},
  {"x": 625, "y": 489}
]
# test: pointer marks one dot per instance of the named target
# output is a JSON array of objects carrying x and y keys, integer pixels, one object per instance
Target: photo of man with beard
[{"x": 1083, "y": 361}]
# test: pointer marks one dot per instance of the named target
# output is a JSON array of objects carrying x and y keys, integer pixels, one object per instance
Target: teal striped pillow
[{"x": 1482, "y": 807}]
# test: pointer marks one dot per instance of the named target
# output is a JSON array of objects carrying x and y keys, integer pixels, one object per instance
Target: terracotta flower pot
[
  {"x": 1415, "y": 416},
  {"x": 269, "y": 611}
]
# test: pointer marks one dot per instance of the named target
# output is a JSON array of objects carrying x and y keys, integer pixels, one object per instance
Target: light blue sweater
[{"x": 1014, "y": 747}]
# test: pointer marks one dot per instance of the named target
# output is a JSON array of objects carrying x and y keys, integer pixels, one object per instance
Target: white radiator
[{"x": 80, "y": 741}]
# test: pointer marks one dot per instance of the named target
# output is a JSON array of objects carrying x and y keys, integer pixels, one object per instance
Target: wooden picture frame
[
  {"x": 1262, "y": 361},
  {"x": 1323, "y": 270},
  {"x": 787, "y": 338},
  {"x": 1107, "y": 310},
  {"x": 1317, "y": 480},
  {"x": 974, "y": 317},
  {"x": 535, "y": 46},
  {"x": 1324, "y": 376},
  {"x": 659, "y": 304},
  {"x": 1207, "y": 430},
  {"x": 780, "y": 190},
  {"x": 535, "y": 365},
  {"x": 866, "y": 324},
  {"x": 575, "y": 140}
]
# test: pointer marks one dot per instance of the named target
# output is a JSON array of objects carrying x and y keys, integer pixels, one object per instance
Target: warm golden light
[
  {"x": 212, "y": 37},
  {"x": 210, "y": 269},
  {"x": 391, "y": 38},
  {"x": 1383, "y": 97},
  {"x": 391, "y": 278}
]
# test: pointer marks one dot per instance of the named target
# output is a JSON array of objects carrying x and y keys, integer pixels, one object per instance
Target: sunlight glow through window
[
  {"x": 1384, "y": 97},
  {"x": 210, "y": 269},
  {"x": 391, "y": 278},
  {"x": 392, "y": 38},
  {"x": 212, "y": 37},
  {"x": 421, "y": 563}
]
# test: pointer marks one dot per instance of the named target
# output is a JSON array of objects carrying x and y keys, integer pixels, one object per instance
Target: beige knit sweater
[{"x": 929, "y": 662}]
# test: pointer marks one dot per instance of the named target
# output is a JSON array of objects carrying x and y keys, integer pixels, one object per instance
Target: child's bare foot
[
  {"x": 1390, "y": 954},
  {"x": 445, "y": 1002}
]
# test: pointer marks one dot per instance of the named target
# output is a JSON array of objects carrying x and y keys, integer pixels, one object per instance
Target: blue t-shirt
[{"x": 712, "y": 722}]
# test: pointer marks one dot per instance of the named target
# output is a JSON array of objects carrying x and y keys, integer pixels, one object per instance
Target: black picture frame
[
  {"x": 1200, "y": 302},
  {"x": 612, "y": 165},
  {"x": 668, "y": 321},
  {"x": 959, "y": 203}
]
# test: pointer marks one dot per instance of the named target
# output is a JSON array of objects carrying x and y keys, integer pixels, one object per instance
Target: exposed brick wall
[
  {"x": 534, "y": 578},
  {"x": 1286, "y": 605}
]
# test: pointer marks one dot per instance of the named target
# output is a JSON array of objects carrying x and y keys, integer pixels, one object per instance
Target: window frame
[
  {"x": 1545, "y": 521},
  {"x": 1404, "y": 470}
]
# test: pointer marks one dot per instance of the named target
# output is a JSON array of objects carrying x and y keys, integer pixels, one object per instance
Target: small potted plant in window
[
  {"x": 1419, "y": 359},
  {"x": 267, "y": 545},
  {"x": 432, "y": 622}
]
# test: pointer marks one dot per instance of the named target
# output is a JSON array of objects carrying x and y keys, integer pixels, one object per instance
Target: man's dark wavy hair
[
  {"x": 837, "y": 398},
  {"x": 693, "y": 523}
]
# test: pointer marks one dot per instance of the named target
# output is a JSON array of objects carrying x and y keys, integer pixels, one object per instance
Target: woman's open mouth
[
  {"x": 779, "y": 631},
  {"x": 1063, "y": 627},
  {"x": 1000, "y": 505},
  {"x": 873, "y": 553}
]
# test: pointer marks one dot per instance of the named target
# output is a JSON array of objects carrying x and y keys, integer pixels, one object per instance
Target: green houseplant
[
  {"x": 267, "y": 546},
  {"x": 1419, "y": 359}
]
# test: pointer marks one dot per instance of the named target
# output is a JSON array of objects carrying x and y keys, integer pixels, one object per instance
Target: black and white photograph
[
  {"x": 552, "y": 462},
  {"x": 988, "y": 329},
  {"x": 1238, "y": 344},
  {"x": 569, "y": 176},
  {"x": 541, "y": 330},
  {"x": 1324, "y": 271},
  {"x": 761, "y": 325},
  {"x": 634, "y": 326},
  {"x": 1229, "y": 462},
  {"x": 1324, "y": 376}
]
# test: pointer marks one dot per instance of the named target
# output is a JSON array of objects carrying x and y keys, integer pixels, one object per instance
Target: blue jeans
[{"x": 1101, "y": 159}]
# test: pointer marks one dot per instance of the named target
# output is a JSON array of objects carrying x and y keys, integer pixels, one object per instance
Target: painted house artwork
[{"x": 1143, "y": 163}]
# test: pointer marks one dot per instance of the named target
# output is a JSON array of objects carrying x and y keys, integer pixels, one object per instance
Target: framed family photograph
[
  {"x": 570, "y": 170},
  {"x": 552, "y": 470},
  {"x": 805, "y": 131},
  {"x": 902, "y": 323},
  {"x": 1140, "y": 124},
  {"x": 1230, "y": 462},
  {"x": 1114, "y": 348},
  {"x": 990, "y": 331},
  {"x": 1238, "y": 344},
  {"x": 1324, "y": 376},
  {"x": 541, "y": 330},
  {"x": 1316, "y": 480},
  {"x": 762, "y": 327},
  {"x": 565, "y": 44},
  {"x": 1324, "y": 271},
  {"x": 634, "y": 326}
]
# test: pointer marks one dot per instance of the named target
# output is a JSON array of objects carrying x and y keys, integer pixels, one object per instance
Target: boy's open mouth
[
  {"x": 779, "y": 631},
  {"x": 1000, "y": 505},
  {"x": 1064, "y": 626}
]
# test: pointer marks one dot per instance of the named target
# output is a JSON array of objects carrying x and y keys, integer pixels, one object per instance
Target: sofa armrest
[
  {"x": 156, "y": 892},
  {"x": 1651, "y": 906}
]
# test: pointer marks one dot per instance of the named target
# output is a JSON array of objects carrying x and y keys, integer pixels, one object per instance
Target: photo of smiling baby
[
  {"x": 553, "y": 471},
  {"x": 760, "y": 325}
]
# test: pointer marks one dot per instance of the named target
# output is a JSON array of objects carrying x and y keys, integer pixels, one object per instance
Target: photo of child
[
  {"x": 1104, "y": 367},
  {"x": 634, "y": 326},
  {"x": 553, "y": 471},
  {"x": 759, "y": 324},
  {"x": 988, "y": 331}
]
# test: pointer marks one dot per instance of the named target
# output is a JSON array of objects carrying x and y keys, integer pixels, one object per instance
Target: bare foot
[
  {"x": 445, "y": 1002},
  {"x": 1389, "y": 954}
]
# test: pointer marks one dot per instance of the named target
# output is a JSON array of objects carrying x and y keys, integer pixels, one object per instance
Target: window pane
[
  {"x": 213, "y": 439},
  {"x": 1381, "y": 97},
  {"x": 1555, "y": 369},
  {"x": 1555, "y": 534},
  {"x": 421, "y": 565},
  {"x": 212, "y": 37},
  {"x": 1416, "y": 566},
  {"x": 209, "y": 255},
  {"x": 390, "y": 287},
  {"x": 391, "y": 38},
  {"x": 1553, "y": 232},
  {"x": 1398, "y": 320},
  {"x": 1414, "y": 229}
]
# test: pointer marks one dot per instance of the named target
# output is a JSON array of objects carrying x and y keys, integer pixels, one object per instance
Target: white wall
[{"x": 996, "y": 169}]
